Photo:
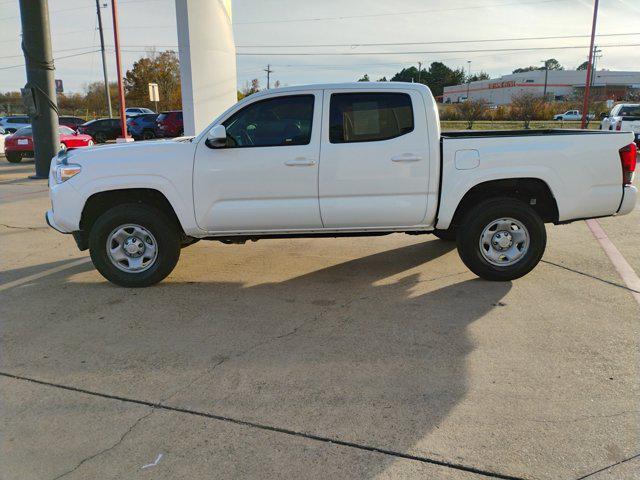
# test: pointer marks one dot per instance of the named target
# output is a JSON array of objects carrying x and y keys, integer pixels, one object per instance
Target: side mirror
[
  {"x": 603, "y": 115},
  {"x": 217, "y": 137}
]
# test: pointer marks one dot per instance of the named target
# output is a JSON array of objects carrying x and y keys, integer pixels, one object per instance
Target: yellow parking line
[{"x": 36, "y": 276}]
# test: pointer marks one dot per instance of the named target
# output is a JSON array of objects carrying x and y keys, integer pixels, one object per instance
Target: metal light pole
[
  {"x": 546, "y": 78},
  {"x": 419, "y": 71},
  {"x": 116, "y": 39},
  {"x": 587, "y": 85},
  {"x": 107, "y": 93},
  {"x": 36, "y": 45},
  {"x": 469, "y": 79}
]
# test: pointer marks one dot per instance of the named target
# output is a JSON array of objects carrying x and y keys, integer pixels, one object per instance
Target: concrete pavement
[{"x": 315, "y": 358}]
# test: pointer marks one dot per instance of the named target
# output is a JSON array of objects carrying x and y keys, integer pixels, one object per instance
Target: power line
[
  {"x": 425, "y": 52},
  {"x": 55, "y": 59},
  {"x": 389, "y": 14},
  {"x": 485, "y": 40}
]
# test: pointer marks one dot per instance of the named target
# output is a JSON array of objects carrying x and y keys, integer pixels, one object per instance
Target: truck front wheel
[
  {"x": 133, "y": 245},
  {"x": 501, "y": 239}
]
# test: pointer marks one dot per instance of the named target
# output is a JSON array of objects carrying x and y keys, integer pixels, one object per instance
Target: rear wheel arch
[{"x": 532, "y": 191}]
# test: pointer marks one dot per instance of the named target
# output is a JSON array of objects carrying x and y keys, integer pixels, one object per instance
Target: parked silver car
[{"x": 14, "y": 122}]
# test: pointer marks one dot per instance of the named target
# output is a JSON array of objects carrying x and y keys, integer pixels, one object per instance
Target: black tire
[
  {"x": 148, "y": 135},
  {"x": 100, "y": 137},
  {"x": 157, "y": 223},
  {"x": 447, "y": 235},
  {"x": 13, "y": 157},
  {"x": 480, "y": 217}
]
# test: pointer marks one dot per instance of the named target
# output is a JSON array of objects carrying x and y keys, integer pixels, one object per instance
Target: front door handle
[
  {"x": 406, "y": 157},
  {"x": 300, "y": 162}
]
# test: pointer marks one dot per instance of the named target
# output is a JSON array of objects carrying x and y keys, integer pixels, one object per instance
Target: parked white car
[
  {"x": 572, "y": 115},
  {"x": 13, "y": 123},
  {"x": 624, "y": 117},
  {"x": 352, "y": 159}
]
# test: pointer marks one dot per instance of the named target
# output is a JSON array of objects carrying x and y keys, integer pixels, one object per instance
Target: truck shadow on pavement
[{"x": 371, "y": 351}]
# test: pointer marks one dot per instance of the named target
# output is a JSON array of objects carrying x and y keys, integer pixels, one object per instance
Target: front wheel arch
[{"x": 100, "y": 202}]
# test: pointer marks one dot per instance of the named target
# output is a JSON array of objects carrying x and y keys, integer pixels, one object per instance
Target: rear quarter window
[{"x": 369, "y": 117}]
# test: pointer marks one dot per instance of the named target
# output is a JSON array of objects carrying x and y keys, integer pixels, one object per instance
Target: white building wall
[
  {"x": 207, "y": 61},
  {"x": 500, "y": 91}
]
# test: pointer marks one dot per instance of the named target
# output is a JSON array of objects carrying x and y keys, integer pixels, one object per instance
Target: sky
[{"x": 341, "y": 33}]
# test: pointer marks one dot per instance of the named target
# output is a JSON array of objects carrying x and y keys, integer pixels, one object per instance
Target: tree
[
  {"x": 526, "y": 107},
  {"x": 551, "y": 64},
  {"x": 383, "y": 79},
  {"x": 162, "y": 68},
  {"x": 472, "y": 110},
  {"x": 477, "y": 77},
  {"x": 583, "y": 66},
  {"x": 277, "y": 84},
  {"x": 439, "y": 76},
  {"x": 95, "y": 102},
  {"x": 250, "y": 88},
  {"x": 365, "y": 78},
  {"x": 436, "y": 77}
]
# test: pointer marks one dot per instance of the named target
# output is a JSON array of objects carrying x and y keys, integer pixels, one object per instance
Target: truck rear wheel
[
  {"x": 133, "y": 245},
  {"x": 501, "y": 239}
]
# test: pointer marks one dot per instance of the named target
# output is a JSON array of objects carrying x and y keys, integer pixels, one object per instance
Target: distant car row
[{"x": 20, "y": 144}]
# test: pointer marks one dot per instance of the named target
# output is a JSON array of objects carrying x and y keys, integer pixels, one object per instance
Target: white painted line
[
  {"x": 154, "y": 463},
  {"x": 628, "y": 275},
  {"x": 36, "y": 276}
]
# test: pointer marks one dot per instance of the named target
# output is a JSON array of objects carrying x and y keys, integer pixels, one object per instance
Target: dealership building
[{"x": 560, "y": 85}]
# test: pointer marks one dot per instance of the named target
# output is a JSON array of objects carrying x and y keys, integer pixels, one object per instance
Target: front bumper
[
  {"x": 629, "y": 197},
  {"x": 66, "y": 205}
]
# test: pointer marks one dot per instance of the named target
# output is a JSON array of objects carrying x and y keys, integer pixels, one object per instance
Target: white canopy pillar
[{"x": 207, "y": 61}]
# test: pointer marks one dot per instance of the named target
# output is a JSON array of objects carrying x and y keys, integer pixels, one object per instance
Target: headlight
[{"x": 65, "y": 171}]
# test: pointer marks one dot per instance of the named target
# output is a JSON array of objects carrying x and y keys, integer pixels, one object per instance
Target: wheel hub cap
[
  {"x": 132, "y": 248},
  {"x": 504, "y": 242}
]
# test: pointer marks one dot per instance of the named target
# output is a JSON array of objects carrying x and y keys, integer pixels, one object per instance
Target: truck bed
[{"x": 523, "y": 133}]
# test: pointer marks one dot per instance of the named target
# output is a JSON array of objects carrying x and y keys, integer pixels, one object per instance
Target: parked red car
[
  {"x": 20, "y": 144},
  {"x": 169, "y": 124}
]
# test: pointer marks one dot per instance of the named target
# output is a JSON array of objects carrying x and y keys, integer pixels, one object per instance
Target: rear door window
[{"x": 369, "y": 117}]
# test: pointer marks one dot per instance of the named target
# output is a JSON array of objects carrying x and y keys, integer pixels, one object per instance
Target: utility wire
[
  {"x": 485, "y": 40},
  {"x": 55, "y": 59},
  {"x": 425, "y": 52},
  {"x": 390, "y": 14}
]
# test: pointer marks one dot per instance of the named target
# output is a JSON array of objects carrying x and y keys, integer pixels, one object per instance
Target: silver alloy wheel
[
  {"x": 132, "y": 248},
  {"x": 504, "y": 242}
]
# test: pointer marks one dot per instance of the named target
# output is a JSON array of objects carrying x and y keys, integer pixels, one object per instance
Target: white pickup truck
[
  {"x": 337, "y": 160},
  {"x": 624, "y": 117}
]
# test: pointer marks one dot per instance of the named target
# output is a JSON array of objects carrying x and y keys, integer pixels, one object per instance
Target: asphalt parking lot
[{"x": 315, "y": 358}]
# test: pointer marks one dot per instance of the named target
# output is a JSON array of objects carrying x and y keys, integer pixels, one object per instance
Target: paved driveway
[{"x": 316, "y": 358}]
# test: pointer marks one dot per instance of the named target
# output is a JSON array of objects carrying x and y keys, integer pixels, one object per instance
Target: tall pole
[
  {"x": 116, "y": 40},
  {"x": 419, "y": 71},
  {"x": 36, "y": 45},
  {"x": 469, "y": 79},
  {"x": 546, "y": 78},
  {"x": 269, "y": 72},
  {"x": 107, "y": 93},
  {"x": 587, "y": 84}
]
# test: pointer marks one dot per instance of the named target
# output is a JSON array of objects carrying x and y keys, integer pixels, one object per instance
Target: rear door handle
[
  {"x": 406, "y": 157},
  {"x": 300, "y": 162}
]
